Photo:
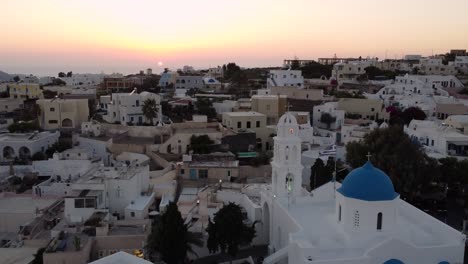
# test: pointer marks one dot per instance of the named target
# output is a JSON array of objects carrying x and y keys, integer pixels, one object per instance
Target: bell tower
[{"x": 286, "y": 165}]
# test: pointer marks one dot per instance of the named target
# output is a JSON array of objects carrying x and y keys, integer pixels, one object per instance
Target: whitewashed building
[
  {"x": 361, "y": 221},
  {"x": 24, "y": 145},
  {"x": 332, "y": 109},
  {"x": 461, "y": 63},
  {"x": 348, "y": 72},
  {"x": 127, "y": 108},
  {"x": 438, "y": 139},
  {"x": 435, "y": 66},
  {"x": 285, "y": 78}
]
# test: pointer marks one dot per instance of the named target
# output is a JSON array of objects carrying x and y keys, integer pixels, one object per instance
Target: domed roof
[
  {"x": 369, "y": 184},
  {"x": 287, "y": 119}
]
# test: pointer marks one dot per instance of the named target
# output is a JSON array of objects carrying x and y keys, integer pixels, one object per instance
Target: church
[{"x": 361, "y": 221}]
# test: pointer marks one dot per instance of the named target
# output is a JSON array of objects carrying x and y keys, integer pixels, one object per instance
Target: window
[
  {"x": 379, "y": 221},
  {"x": 258, "y": 124},
  {"x": 229, "y": 173},
  {"x": 239, "y": 124},
  {"x": 339, "y": 213},
  {"x": 79, "y": 203},
  {"x": 52, "y": 109},
  {"x": 90, "y": 203},
  {"x": 356, "y": 219},
  {"x": 53, "y": 122},
  {"x": 372, "y": 109},
  {"x": 132, "y": 214},
  {"x": 182, "y": 171},
  {"x": 248, "y": 124},
  {"x": 131, "y": 119},
  {"x": 202, "y": 174},
  {"x": 137, "y": 103},
  {"x": 268, "y": 107}
]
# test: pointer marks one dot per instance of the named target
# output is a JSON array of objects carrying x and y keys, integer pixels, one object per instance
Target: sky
[{"x": 47, "y": 36}]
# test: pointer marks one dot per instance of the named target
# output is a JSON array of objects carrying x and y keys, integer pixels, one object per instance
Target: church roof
[{"x": 369, "y": 184}]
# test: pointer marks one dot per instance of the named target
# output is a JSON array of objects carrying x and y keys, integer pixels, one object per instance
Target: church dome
[
  {"x": 287, "y": 120},
  {"x": 369, "y": 184}
]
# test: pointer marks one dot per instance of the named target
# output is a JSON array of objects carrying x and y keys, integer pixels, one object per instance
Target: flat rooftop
[
  {"x": 250, "y": 113},
  {"x": 21, "y": 137},
  {"x": 27, "y": 205}
]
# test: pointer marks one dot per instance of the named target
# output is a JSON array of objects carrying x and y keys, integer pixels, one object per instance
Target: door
[{"x": 193, "y": 174}]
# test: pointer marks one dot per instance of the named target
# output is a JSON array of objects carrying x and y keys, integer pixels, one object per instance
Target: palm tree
[{"x": 150, "y": 109}]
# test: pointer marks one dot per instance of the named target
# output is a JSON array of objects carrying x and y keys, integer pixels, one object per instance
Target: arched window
[
  {"x": 339, "y": 213},
  {"x": 379, "y": 221},
  {"x": 287, "y": 153}
]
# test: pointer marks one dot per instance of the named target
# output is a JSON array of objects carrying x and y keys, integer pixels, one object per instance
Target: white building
[
  {"x": 127, "y": 108},
  {"x": 332, "y": 109},
  {"x": 122, "y": 190},
  {"x": 167, "y": 78},
  {"x": 86, "y": 79},
  {"x": 285, "y": 78},
  {"x": 461, "y": 63},
  {"x": 24, "y": 145},
  {"x": 435, "y": 66},
  {"x": 349, "y": 71},
  {"x": 189, "y": 82},
  {"x": 439, "y": 140},
  {"x": 360, "y": 221}
]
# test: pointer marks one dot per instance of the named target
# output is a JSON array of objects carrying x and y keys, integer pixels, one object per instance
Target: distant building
[
  {"x": 300, "y": 94},
  {"x": 25, "y": 91},
  {"x": 434, "y": 66},
  {"x": 216, "y": 72},
  {"x": 350, "y": 71},
  {"x": 273, "y": 106},
  {"x": 167, "y": 78},
  {"x": 241, "y": 122},
  {"x": 127, "y": 108},
  {"x": 461, "y": 63},
  {"x": 370, "y": 109},
  {"x": 117, "y": 84},
  {"x": 330, "y": 108},
  {"x": 189, "y": 82},
  {"x": 458, "y": 52},
  {"x": 285, "y": 78}
]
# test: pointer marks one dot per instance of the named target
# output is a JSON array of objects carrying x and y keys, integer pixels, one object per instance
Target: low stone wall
[{"x": 263, "y": 171}]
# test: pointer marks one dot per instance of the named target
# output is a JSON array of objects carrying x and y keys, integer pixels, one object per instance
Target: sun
[{"x": 160, "y": 63}]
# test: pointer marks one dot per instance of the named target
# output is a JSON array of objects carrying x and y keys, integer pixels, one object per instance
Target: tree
[
  {"x": 295, "y": 64},
  {"x": 316, "y": 70},
  {"x": 228, "y": 231},
  {"x": 38, "y": 256},
  {"x": 150, "y": 109},
  {"x": 390, "y": 149},
  {"x": 327, "y": 119},
  {"x": 230, "y": 69},
  {"x": 200, "y": 144},
  {"x": 69, "y": 74},
  {"x": 16, "y": 78},
  {"x": 205, "y": 107},
  {"x": 61, "y": 74},
  {"x": 39, "y": 156},
  {"x": 24, "y": 127},
  {"x": 170, "y": 237},
  {"x": 321, "y": 173},
  {"x": 411, "y": 113},
  {"x": 57, "y": 147}
]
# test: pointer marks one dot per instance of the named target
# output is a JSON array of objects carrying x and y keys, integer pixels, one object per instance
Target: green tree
[
  {"x": 150, "y": 109},
  {"x": 228, "y": 231},
  {"x": 170, "y": 237},
  {"x": 411, "y": 113},
  {"x": 390, "y": 149},
  {"x": 24, "y": 127},
  {"x": 205, "y": 107},
  {"x": 38, "y": 256},
  {"x": 16, "y": 78},
  {"x": 69, "y": 74},
  {"x": 39, "y": 156},
  {"x": 295, "y": 64},
  {"x": 327, "y": 119},
  {"x": 61, "y": 74},
  {"x": 200, "y": 144}
]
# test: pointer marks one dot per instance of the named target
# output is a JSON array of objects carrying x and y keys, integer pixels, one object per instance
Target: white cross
[{"x": 368, "y": 156}]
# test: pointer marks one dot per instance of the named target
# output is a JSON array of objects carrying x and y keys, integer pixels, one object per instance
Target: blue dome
[
  {"x": 369, "y": 184},
  {"x": 394, "y": 261}
]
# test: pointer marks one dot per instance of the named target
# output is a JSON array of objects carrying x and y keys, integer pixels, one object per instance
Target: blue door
[{"x": 193, "y": 174}]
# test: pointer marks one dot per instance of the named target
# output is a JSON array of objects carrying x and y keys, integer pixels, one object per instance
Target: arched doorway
[
  {"x": 266, "y": 223},
  {"x": 24, "y": 153},
  {"x": 67, "y": 122},
  {"x": 8, "y": 152}
]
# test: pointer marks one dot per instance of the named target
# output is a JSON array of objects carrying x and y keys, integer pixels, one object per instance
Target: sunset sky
[{"x": 47, "y": 36}]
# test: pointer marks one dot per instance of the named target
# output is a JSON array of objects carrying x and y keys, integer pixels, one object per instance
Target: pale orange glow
[{"x": 87, "y": 35}]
